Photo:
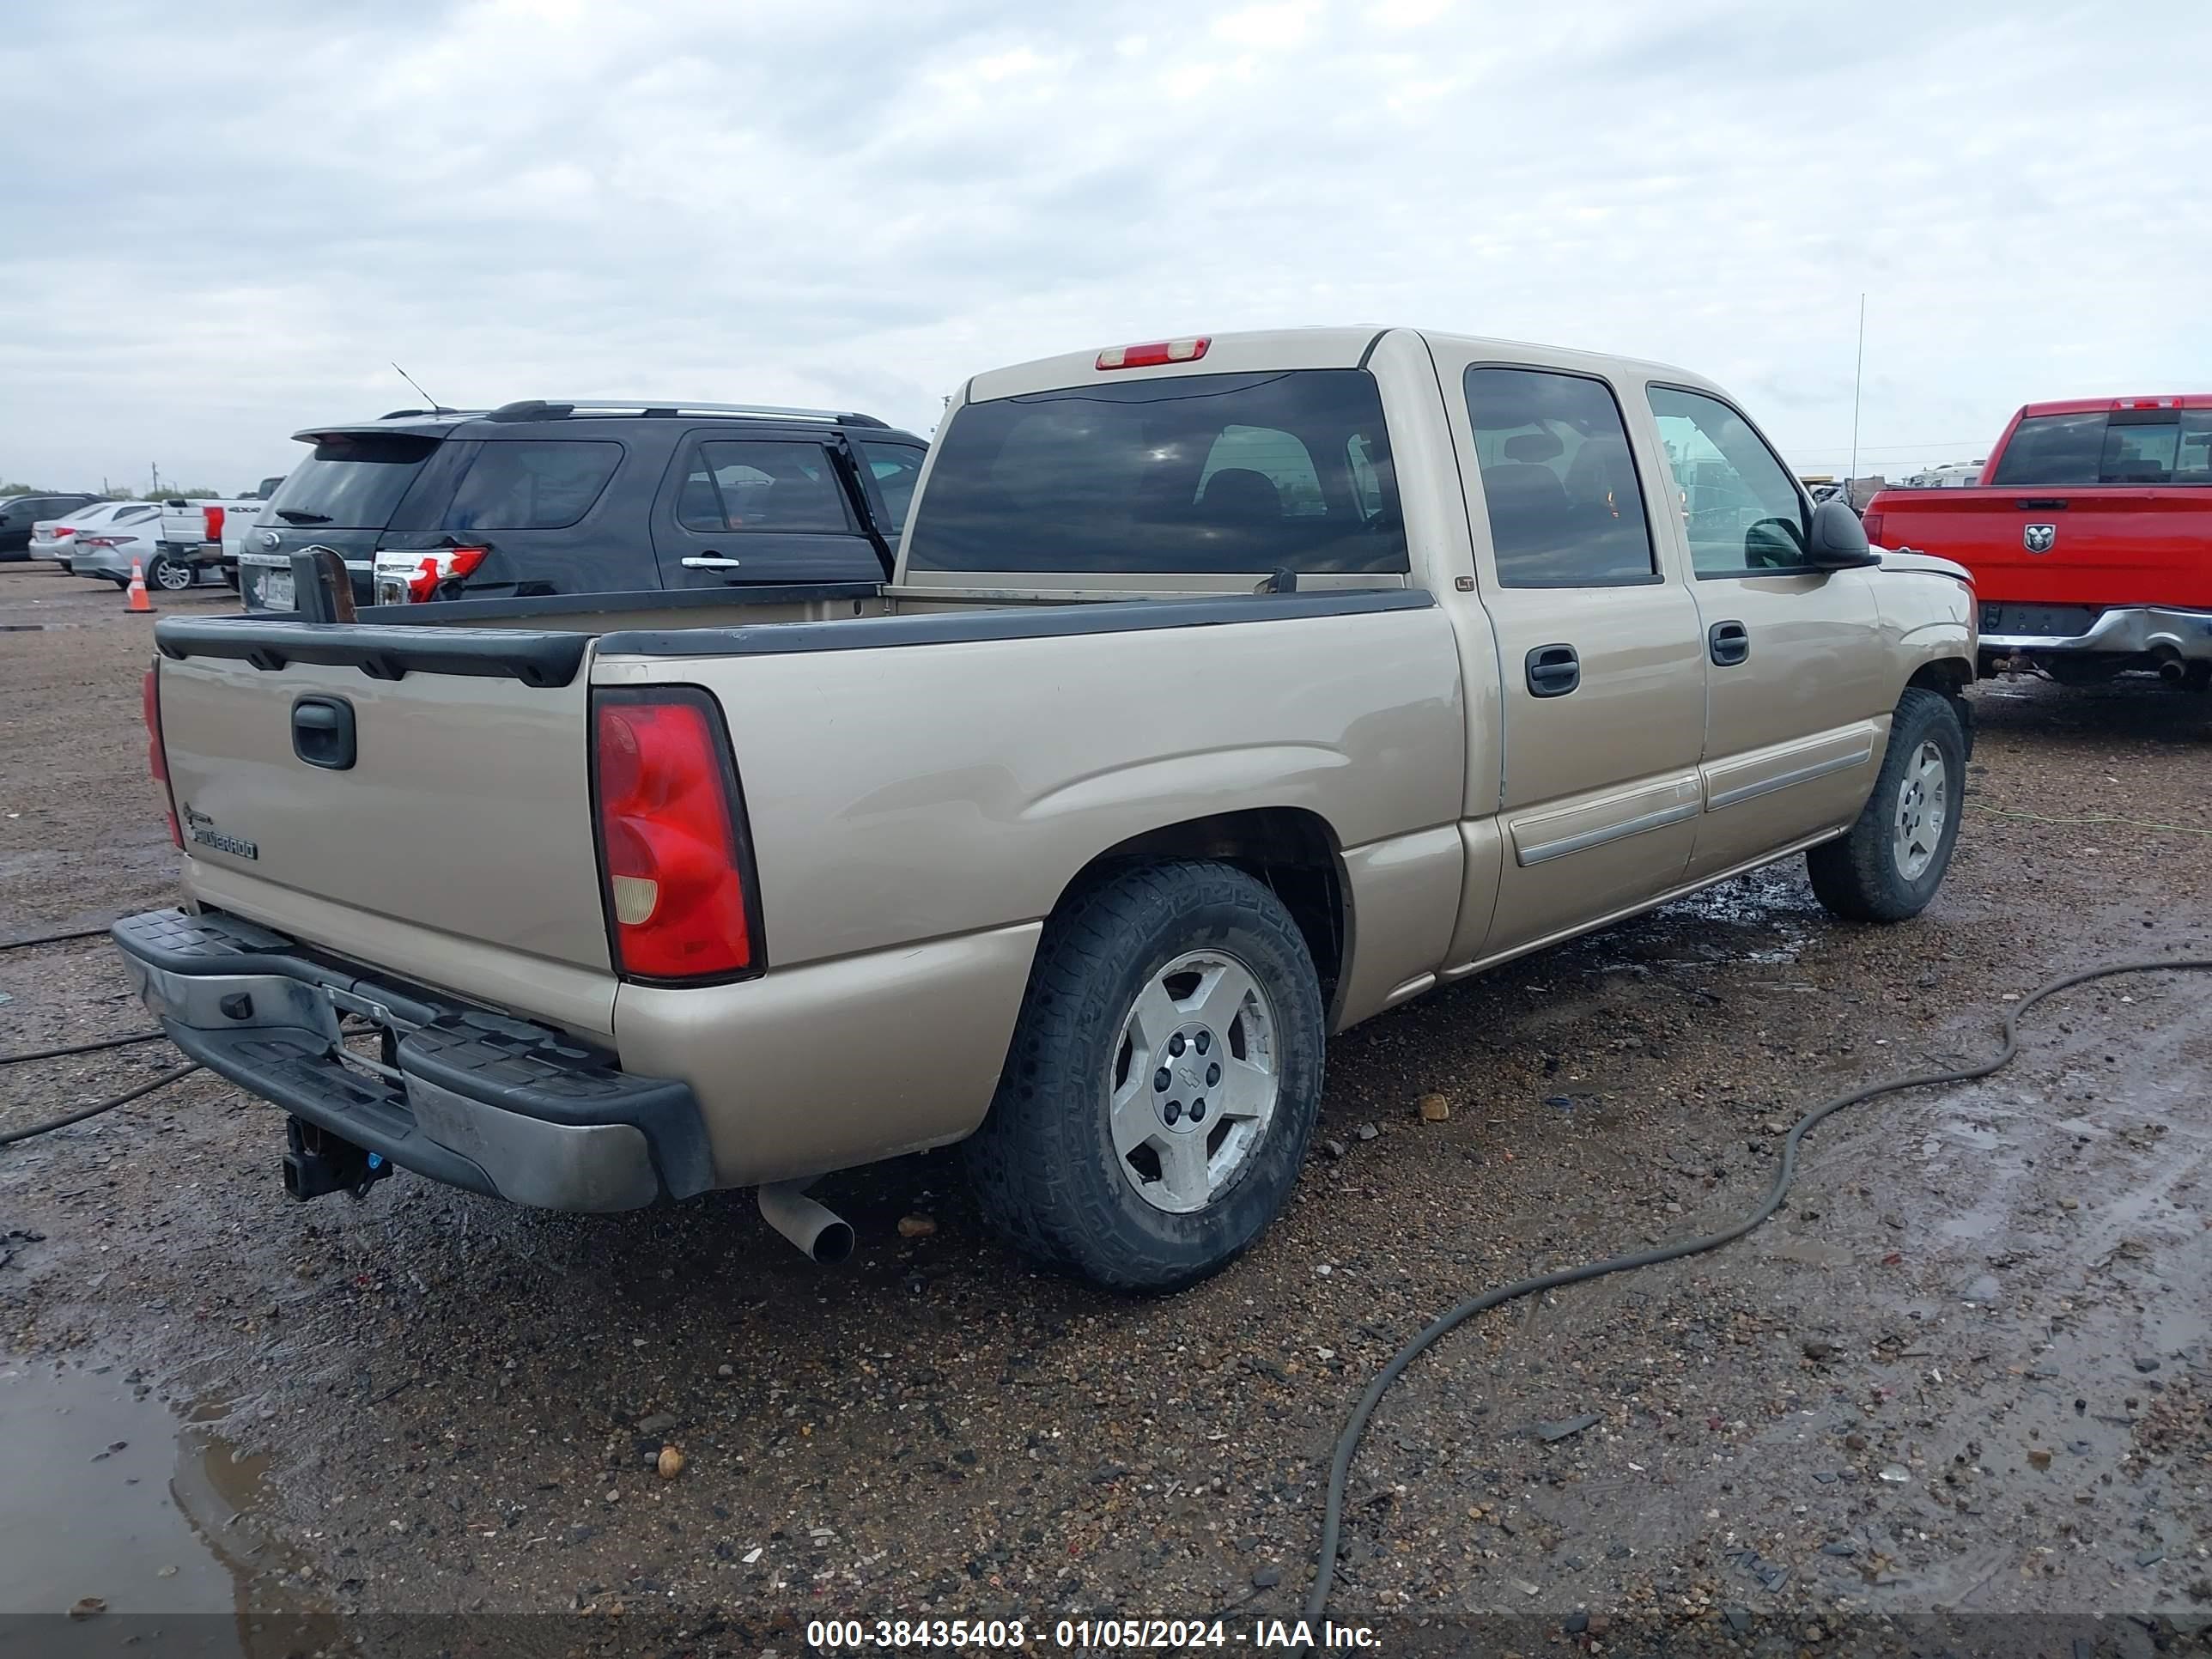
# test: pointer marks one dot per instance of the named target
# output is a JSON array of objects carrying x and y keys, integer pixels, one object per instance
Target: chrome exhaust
[{"x": 821, "y": 1234}]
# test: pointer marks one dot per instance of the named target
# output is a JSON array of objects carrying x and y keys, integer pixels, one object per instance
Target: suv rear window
[
  {"x": 532, "y": 483},
  {"x": 1242, "y": 474},
  {"x": 353, "y": 481}
]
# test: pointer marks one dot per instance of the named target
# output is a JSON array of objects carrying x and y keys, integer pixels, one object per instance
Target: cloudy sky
[{"x": 225, "y": 218}]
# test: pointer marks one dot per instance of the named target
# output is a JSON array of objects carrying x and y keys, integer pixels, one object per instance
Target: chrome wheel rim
[
  {"x": 1923, "y": 805},
  {"x": 1194, "y": 1081},
  {"x": 172, "y": 578}
]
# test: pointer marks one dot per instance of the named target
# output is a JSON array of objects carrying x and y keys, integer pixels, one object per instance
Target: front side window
[
  {"x": 787, "y": 489},
  {"x": 1740, "y": 506},
  {"x": 1226, "y": 474},
  {"x": 1558, "y": 481},
  {"x": 532, "y": 483},
  {"x": 896, "y": 468}
]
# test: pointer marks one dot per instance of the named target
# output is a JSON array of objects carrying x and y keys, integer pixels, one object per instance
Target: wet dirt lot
[{"x": 1954, "y": 1398}]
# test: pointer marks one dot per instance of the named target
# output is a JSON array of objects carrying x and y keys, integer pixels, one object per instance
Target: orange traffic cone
[{"x": 138, "y": 600}]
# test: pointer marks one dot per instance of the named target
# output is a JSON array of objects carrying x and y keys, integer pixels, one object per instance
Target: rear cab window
[
  {"x": 1242, "y": 474},
  {"x": 2109, "y": 446}
]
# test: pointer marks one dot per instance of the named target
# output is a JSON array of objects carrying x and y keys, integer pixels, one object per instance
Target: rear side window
[
  {"x": 532, "y": 483},
  {"x": 132, "y": 515},
  {"x": 787, "y": 489},
  {"x": 353, "y": 480},
  {"x": 1565, "y": 507},
  {"x": 1236, "y": 474},
  {"x": 896, "y": 467}
]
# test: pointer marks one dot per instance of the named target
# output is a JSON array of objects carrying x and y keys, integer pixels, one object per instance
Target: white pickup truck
[
  {"x": 1226, "y": 693},
  {"x": 199, "y": 539}
]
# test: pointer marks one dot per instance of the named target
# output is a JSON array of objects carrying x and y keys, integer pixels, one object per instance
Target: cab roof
[{"x": 1345, "y": 346}]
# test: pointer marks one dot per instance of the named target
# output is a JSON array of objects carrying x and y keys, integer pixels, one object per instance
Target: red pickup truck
[{"x": 2089, "y": 538}]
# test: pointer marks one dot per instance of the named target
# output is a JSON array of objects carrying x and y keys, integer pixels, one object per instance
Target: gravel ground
[{"x": 1954, "y": 1396}]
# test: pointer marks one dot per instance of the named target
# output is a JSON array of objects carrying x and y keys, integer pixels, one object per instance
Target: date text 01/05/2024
[{"x": 1170, "y": 1635}]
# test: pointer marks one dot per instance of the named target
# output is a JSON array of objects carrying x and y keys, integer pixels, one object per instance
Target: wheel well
[
  {"x": 1948, "y": 675},
  {"x": 1289, "y": 848}
]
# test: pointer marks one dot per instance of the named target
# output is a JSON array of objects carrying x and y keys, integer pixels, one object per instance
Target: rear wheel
[
  {"x": 1163, "y": 1080},
  {"x": 1888, "y": 866},
  {"x": 170, "y": 575}
]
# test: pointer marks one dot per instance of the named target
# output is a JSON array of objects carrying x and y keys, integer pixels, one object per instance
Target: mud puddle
[{"x": 126, "y": 1527}]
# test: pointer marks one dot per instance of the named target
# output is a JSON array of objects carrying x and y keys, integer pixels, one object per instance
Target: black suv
[
  {"x": 588, "y": 497},
  {"x": 19, "y": 512}
]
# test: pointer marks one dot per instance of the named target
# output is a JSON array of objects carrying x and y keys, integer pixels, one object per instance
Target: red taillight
[
  {"x": 1872, "y": 524},
  {"x": 1154, "y": 353},
  {"x": 215, "y": 524},
  {"x": 63, "y": 531},
  {"x": 157, "y": 755},
  {"x": 451, "y": 565},
  {"x": 668, "y": 838}
]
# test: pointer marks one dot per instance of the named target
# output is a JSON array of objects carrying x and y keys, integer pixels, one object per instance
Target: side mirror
[{"x": 1838, "y": 540}]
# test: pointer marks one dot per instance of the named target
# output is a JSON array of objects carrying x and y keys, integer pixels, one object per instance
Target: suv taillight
[
  {"x": 157, "y": 755},
  {"x": 414, "y": 575},
  {"x": 671, "y": 837}
]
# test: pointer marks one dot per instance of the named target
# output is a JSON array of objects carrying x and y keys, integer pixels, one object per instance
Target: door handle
[
  {"x": 1727, "y": 643},
  {"x": 709, "y": 561},
  {"x": 1553, "y": 671}
]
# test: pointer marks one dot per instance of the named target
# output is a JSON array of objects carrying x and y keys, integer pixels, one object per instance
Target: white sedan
[
  {"x": 56, "y": 539},
  {"x": 105, "y": 551}
]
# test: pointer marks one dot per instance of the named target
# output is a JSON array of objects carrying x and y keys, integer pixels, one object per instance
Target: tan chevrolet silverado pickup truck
[{"x": 1227, "y": 692}]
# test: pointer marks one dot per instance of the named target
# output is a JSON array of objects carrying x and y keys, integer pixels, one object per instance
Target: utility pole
[
  {"x": 1858, "y": 376},
  {"x": 157, "y": 477}
]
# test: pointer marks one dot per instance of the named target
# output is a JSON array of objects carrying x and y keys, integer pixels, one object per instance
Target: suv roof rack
[{"x": 541, "y": 409}]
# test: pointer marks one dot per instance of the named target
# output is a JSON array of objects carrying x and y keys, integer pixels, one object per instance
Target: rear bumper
[
  {"x": 2136, "y": 631},
  {"x": 498, "y": 1105}
]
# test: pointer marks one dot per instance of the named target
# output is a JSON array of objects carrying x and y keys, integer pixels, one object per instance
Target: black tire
[
  {"x": 1044, "y": 1165},
  {"x": 1858, "y": 876},
  {"x": 159, "y": 574},
  {"x": 122, "y": 583}
]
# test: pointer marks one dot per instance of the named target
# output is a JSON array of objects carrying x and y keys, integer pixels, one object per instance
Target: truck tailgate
[
  {"x": 2107, "y": 545},
  {"x": 464, "y": 810}
]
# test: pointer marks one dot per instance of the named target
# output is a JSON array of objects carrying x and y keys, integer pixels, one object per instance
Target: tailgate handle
[
  {"x": 2041, "y": 503},
  {"x": 322, "y": 732}
]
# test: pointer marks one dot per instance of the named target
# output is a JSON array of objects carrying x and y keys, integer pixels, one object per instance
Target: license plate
[
  {"x": 274, "y": 591},
  {"x": 2050, "y": 622}
]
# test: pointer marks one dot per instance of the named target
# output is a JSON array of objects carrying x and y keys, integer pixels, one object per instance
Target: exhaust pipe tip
[
  {"x": 2173, "y": 669},
  {"x": 820, "y": 1234}
]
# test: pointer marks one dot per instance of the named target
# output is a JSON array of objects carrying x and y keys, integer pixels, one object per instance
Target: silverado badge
[
  {"x": 2040, "y": 538},
  {"x": 200, "y": 828}
]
